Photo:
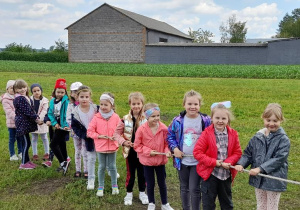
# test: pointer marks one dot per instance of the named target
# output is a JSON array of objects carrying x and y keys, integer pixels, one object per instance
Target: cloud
[
  {"x": 70, "y": 3},
  {"x": 208, "y": 7},
  {"x": 37, "y": 10}
]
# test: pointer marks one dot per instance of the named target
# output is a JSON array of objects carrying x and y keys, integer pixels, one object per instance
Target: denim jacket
[{"x": 175, "y": 134}]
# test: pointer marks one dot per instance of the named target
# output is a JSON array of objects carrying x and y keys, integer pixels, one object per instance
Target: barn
[{"x": 111, "y": 34}]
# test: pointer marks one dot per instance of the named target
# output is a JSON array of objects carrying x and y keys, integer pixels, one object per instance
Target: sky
[{"x": 40, "y": 23}]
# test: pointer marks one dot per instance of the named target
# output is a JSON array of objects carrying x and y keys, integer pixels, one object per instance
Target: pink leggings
[{"x": 267, "y": 200}]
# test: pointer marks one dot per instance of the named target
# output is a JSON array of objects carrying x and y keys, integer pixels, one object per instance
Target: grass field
[{"x": 46, "y": 189}]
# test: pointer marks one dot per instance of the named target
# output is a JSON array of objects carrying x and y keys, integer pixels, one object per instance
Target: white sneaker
[
  {"x": 128, "y": 199},
  {"x": 100, "y": 192},
  {"x": 143, "y": 198},
  {"x": 166, "y": 207},
  {"x": 115, "y": 191},
  {"x": 91, "y": 184},
  {"x": 20, "y": 156},
  {"x": 14, "y": 157},
  {"x": 151, "y": 206}
]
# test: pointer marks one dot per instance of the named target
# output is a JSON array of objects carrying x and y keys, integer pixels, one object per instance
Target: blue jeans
[
  {"x": 12, "y": 140},
  {"x": 112, "y": 168}
]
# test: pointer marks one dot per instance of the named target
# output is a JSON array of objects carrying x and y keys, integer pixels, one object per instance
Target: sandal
[
  {"x": 77, "y": 174},
  {"x": 86, "y": 175}
]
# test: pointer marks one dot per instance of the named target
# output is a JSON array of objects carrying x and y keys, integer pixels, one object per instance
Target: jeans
[
  {"x": 111, "y": 163},
  {"x": 12, "y": 140},
  {"x": 91, "y": 161}
]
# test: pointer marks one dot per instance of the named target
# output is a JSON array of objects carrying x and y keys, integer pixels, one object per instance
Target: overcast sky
[{"x": 41, "y": 22}]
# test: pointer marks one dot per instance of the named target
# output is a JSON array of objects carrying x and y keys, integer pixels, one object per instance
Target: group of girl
[{"x": 206, "y": 150}]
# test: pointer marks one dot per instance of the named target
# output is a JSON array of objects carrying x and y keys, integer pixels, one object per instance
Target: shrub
[{"x": 57, "y": 57}]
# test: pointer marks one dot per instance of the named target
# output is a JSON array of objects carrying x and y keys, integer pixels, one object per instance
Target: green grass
[
  {"x": 157, "y": 70},
  {"x": 45, "y": 189}
]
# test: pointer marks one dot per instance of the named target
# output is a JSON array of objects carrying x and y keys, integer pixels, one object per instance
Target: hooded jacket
[
  {"x": 79, "y": 128},
  {"x": 63, "y": 112},
  {"x": 175, "y": 134},
  {"x": 8, "y": 107},
  {"x": 270, "y": 154},
  {"x": 206, "y": 151},
  {"x": 43, "y": 108}
]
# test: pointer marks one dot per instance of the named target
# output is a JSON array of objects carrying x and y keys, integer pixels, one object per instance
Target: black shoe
[
  {"x": 59, "y": 169},
  {"x": 65, "y": 167}
]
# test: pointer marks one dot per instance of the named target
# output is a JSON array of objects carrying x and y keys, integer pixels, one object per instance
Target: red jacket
[{"x": 206, "y": 151}]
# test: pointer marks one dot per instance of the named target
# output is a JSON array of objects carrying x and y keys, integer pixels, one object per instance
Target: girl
[
  {"x": 101, "y": 129},
  {"x": 26, "y": 120},
  {"x": 40, "y": 107},
  {"x": 125, "y": 135},
  {"x": 81, "y": 117},
  {"x": 8, "y": 107},
  {"x": 217, "y": 148},
  {"x": 57, "y": 115},
  {"x": 183, "y": 134},
  {"x": 267, "y": 153},
  {"x": 78, "y": 143},
  {"x": 150, "y": 138}
]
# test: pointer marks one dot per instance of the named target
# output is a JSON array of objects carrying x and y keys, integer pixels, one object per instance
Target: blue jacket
[
  {"x": 25, "y": 116},
  {"x": 175, "y": 134},
  {"x": 270, "y": 155},
  {"x": 80, "y": 130},
  {"x": 63, "y": 112}
]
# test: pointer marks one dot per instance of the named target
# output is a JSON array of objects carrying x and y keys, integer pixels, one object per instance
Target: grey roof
[
  {"x": 145, "y": 21},
  {"x": 210, "y": 44}
]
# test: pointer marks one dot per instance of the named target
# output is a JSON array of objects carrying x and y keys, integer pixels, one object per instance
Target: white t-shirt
[{"x": 86, "y": 118}]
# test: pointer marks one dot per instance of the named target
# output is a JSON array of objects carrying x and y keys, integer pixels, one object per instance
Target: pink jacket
[
  {"x": 100, "y": 126},
  {"x": 43, "y": 109},
  {"x": 145, "y": 141},
  {"x": 8, "y": 106}
]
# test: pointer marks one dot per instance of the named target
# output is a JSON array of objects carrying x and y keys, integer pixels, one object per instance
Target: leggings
[
  {"x": 26, "y": 144},
  {"x": 267, "y": 200},
  {"x": 34, "y": 140},
  {"x": 80, "y": 150},
  {"x": 58, "y": 145}
]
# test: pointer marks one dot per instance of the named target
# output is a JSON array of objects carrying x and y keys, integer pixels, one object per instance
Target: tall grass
[{"x": 46, "y": 189}]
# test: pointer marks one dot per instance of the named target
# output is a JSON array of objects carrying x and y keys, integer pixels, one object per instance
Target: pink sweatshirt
[
  {"x": 101, "y": 126},
  {"x": 145, "y": 141},
  {"x": 8, "y": 106}
]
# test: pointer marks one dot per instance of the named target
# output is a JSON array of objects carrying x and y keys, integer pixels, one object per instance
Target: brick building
[{"x": 111, "y": 34}]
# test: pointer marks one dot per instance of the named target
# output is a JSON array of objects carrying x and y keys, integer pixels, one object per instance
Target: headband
[
  {"x": 227, "y": 104},
  {"x": 107, "y": 97},
  {"x": 149, "y": 112}
]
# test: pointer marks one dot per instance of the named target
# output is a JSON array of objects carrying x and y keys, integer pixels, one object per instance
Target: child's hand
[
  {"x": 239, "y": 168},
  {"x": 152, "y": 153},
  {"x": 39, "y": 122},
  {"x": 103, "y": 137},
  {"x": 66, "y": 128},
  {"x": 48, "y": 123},
  {"x": 57, "y": 126},
  {"x": 219, "y": 163},
  {"x": 254, "y": 171},
  {"x": 128, "y": 144},
  {"x": 226, "y": 165},
  {"x": 168, "y": 154},
  {"x": 178, "y": 153}
]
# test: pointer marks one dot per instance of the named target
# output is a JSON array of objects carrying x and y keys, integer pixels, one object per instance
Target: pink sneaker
[
  {"x": 47, "y": 164},
  {"x": 26, "y": 166},
  {"x": 68, "y": 159},
  {"x": 31, "y": 163}
]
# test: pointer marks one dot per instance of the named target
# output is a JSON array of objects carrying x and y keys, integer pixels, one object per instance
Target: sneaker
[
  {"x": 100, "y": 191},
  {"x": 20, "y": 156},
  {"x": 166, "y": 207},
  {"x": 68, "y": 159},
  {"x": 31, "y": 163},
  {"x": 151, "y": 206},
  {"x": 91, "y": 184},
  {"x": 65, "y": 166},
  {"x": 60, "y": 169},
  {"x": 35, "y": 157},
  {"x": 26, "y": 166},
  {"x": 143, "y": 198},
  {"x": 47, "y": 164},
  {"x": 128, "y": 199},
  {"x": 14, "y": 157},
  {"x": 115, "y": 190},
  {"x": 46, "y": 157}
]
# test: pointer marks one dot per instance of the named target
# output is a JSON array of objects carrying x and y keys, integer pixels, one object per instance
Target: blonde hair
[
  {"x": 21, "y": 84},
  {"x": 223, "y": 108},
  {"x": 83, "y": 89},
  {"x": 150, "y": 106},
  {"x": 273, "y": 109},
  {"x": 139, "y": 96},
  {"x": 193, "y": 93},
  {"x": 112, "y": 105}
]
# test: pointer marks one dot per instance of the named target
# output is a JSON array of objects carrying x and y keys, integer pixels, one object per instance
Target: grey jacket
[{"x": 270, "y": 155}]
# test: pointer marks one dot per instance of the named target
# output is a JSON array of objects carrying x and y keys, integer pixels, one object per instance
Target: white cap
[
  {"x": 75, "y": 85},
  {"x": 10, "y": 83}
]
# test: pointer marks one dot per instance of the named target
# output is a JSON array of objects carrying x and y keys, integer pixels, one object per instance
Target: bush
[{"x": 57, "y": 57}]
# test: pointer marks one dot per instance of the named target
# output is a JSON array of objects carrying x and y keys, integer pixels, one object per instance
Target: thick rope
[{"x": 272, "y": 177}]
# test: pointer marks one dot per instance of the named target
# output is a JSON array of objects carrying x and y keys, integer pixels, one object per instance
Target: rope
[
  {"x": 184, "y": 155},
  {"x": 272, "y": 177}
]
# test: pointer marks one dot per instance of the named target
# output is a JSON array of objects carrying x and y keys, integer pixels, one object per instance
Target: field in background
[{"x": 46, "y": 189}]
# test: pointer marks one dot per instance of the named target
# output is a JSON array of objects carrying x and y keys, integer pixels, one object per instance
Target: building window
[{"x": 163, "y": 40}]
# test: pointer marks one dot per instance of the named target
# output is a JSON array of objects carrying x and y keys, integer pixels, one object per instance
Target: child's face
[
  {"x": 84, "y": 98},
  {"x": 74, "y": 94},
  {"x": 36, "y": 92},
  {"x": 220, "y": 119},
  {"x": 192, "y": 106},
  {"x": 10, "y": 90},
  {"x": 272, "y": 123},
  {"x": 154, "y": 118},
  {"x": 136, "y": 105},
  {"x": 59, "y": 93},
  {"x": 105, "y": 106},
  {"x": 22, "y": 91}
]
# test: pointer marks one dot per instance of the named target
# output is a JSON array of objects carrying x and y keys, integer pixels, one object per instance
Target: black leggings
[
  {"x": 58, "y": 145},
  {"x": 26, "y": 144}
]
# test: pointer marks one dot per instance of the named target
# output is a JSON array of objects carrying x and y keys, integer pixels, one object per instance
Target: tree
[
  {"x": 234, "y": 31},
  {"x": 14, "y": 47},
  {"x": 201, "y": 36},
  {"x": 289, "y": 26},
  {"x": 60, "y": 46}
]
